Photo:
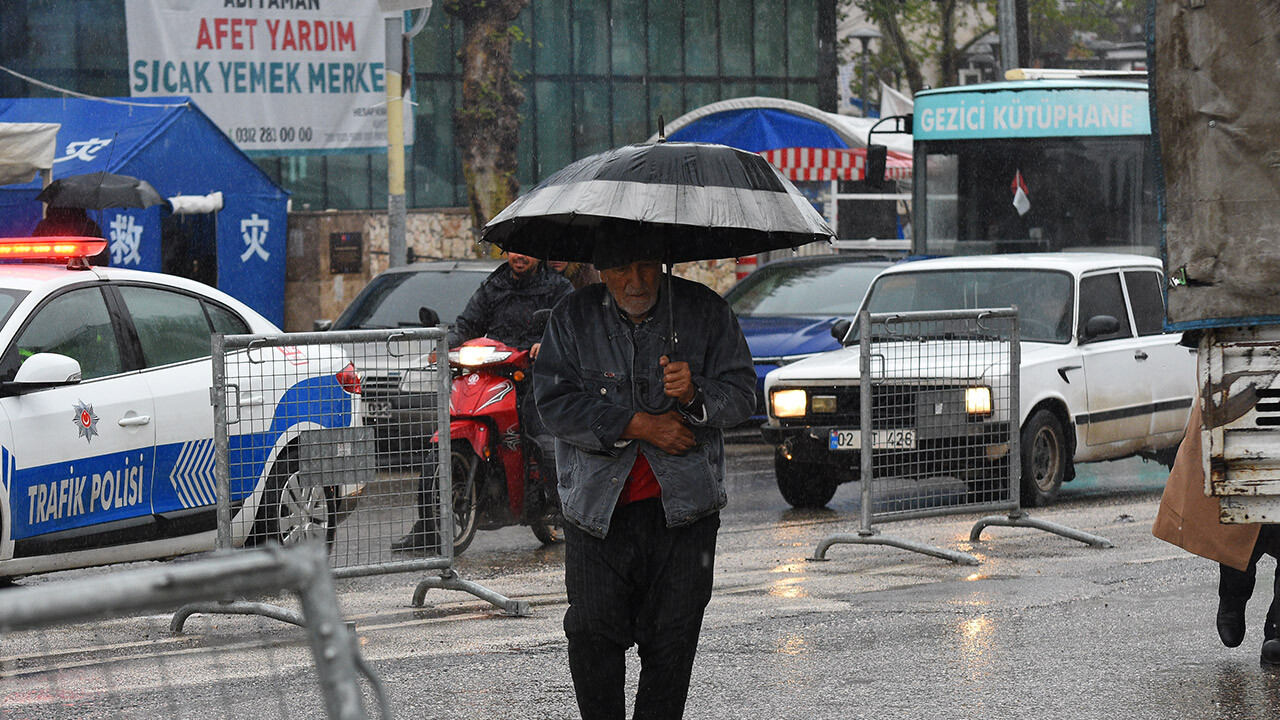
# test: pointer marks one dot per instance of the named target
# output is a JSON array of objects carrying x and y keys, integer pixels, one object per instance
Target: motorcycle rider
[{"x": 502, "y": 308}]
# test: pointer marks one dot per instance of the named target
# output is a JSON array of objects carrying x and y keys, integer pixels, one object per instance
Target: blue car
[{"x": 787, "y": 308}]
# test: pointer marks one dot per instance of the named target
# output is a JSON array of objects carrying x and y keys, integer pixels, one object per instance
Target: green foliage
[{"x": 929, "y": 33}]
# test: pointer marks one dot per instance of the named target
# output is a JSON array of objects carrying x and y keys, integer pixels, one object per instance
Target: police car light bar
[{"x": 50, "y": 248}]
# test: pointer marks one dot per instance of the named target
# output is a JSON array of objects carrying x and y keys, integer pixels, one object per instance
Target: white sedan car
[
  {"x": 106, "y": 427},
  {"x": 1099, "y": 377}
]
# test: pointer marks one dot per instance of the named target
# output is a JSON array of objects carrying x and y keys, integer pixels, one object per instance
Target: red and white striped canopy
[{"x": 808, "y": 164}]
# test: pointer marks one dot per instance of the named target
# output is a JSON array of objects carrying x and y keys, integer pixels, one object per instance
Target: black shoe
[
  {"x": 1230, "y": 622},
  {"x": 420, "y": 537},
  {"x": 1271, "y": 651}
]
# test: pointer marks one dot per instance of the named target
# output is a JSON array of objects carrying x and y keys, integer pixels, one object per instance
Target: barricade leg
[
  {"x": 875, "y": 538},
  {"x": 233, "y": 607},
  {"x": 449, "y": 580},
  {"x": 1017, "y": 519}
]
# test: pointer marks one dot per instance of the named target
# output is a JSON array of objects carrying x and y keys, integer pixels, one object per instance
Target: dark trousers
[
  {"x": 644, "y": 584},
  {"x": 1235, "y": 587}
]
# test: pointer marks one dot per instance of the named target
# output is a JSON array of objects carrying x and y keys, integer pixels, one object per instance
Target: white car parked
[
  {"x": 106, "y": 427},
  {"x": 1100, "y": 379}
]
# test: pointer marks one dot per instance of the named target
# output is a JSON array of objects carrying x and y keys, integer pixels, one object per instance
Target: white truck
[
  {"x": 1216, "y": 95},
  {"x": 1099, "y": 377}
]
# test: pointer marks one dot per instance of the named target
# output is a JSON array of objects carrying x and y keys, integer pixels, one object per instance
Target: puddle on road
[{"x": 791, "y": 586}]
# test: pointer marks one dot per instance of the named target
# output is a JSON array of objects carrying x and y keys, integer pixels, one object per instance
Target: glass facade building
[{"x": 595, "y": 73}]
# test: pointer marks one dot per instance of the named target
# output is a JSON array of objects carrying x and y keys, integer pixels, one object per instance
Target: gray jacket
[{"x": 596, "y": 369}]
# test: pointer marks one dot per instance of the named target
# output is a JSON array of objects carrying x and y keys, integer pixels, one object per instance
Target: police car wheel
[{"x": 292, "y": 511}]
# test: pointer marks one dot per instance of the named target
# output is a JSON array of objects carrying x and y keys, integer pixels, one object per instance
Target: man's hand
[
  {"x": 533, "y": 351},
  {"x": 677, "y": 381},
  {"x": 667, "y": 431}
]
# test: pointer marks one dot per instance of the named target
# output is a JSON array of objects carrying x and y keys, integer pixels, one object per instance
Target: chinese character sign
[
  {"x": 124, "y": 240},
  {"x": 275, "y": 75},
  {"x": 254, "y": 232}
]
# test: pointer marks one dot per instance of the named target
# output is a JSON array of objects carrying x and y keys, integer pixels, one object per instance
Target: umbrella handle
[{"x": 671, "y": 314}]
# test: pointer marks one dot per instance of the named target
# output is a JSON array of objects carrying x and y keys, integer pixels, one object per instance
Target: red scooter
[{"x": 499, "y": 476}]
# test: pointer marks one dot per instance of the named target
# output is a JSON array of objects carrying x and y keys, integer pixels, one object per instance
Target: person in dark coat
[
  {"x": 1190, "y": 519},
  {"x": 640, "y": 447},
  {"x": 502, "y": 308},
  {"x": 580, "y": 274},
  {"x": 69, "y": 221}
]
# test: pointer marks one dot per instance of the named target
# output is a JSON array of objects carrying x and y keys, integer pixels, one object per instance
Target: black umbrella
[
  {"x": 700, "y": 201},
  {"x": 100, "y": 190}
]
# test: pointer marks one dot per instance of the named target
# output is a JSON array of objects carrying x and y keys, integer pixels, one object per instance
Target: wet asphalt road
[{"x": 1045, "y": 627}]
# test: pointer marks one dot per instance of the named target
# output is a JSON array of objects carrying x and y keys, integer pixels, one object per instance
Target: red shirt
[{"x": 641, "y": 483}]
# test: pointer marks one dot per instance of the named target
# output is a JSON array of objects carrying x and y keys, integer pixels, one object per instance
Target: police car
[{"x": 106, "y": 427}]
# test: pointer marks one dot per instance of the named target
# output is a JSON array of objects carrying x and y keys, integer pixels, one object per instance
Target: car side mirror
[
  {"x": 1100, "y": 325},
  {"x": 840, "y": 329},
  {"x": 428, "y": 317},
  {"x": 44, "y": 370},
  {"x": 540, "y": 318},
  {"x": 321, "y": 325}
]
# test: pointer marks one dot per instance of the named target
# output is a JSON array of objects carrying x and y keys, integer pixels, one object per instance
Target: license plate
[
  {"x": 896, "y": 439},
  {"x": 378, "y": 409}
]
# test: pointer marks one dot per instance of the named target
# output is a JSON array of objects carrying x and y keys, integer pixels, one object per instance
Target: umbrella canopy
[
  {"x": 701, "y": 201},
  {"x": 100, "y": 190}
]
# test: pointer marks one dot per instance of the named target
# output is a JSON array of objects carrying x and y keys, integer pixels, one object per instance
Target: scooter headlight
[{"x": 475, "y": 355}]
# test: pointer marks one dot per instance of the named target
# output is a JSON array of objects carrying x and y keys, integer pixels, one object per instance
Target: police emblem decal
[{"x": 86, "y": 421}]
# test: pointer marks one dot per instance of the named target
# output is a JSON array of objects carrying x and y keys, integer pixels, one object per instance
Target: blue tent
[{"x": 170, "y": 143}]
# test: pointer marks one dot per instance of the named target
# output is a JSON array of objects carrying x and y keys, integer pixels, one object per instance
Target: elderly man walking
[{"x": 641, "y": 462}]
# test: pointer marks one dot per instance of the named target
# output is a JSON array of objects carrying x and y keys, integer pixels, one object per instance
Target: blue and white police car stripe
[
  {"x": 192, "y": 474},
  {"x": 8, "y": 465}
]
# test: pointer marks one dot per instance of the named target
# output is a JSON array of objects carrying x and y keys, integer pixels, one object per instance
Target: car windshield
[
  {"x": 826, "y": 290},
  {"x": 1043, "y": 297},
  {"x": 392, "y": 299}
]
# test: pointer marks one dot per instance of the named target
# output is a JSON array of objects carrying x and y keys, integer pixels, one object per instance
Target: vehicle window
[
  {"x": 1101, "y": 295},
  {"x": 1147, "y": 300},
  {"x": 225, "y": 321},
  {"x": 1043, "y": 297},
  {"x": 171, "y": 326},
  {"x": 1094, "y": 192},
  {"x": 392, "y": 300},
  {"x": 827, "y": 289},
  {"x": 75, "y": 324},
  {"x": 9, "y": 299}
]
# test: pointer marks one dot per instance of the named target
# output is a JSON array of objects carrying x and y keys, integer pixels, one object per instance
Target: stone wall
[{"x": 313, "y": 292}]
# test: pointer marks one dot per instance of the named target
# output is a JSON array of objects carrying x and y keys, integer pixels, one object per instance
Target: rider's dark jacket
[{"x": 503, "y": 306}]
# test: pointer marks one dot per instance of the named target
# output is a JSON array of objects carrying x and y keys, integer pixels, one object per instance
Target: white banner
[{"x": 277, "y": 76}]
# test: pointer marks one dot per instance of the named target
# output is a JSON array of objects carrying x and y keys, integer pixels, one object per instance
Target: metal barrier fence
[
  {"x": 63, "y": 657},
  {"x": 329, "y": 436},
  {"x": 940, "y": 392}
]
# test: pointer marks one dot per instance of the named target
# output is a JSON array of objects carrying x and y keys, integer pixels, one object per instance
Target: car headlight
[
  {"x": 788, "y": 403},
  {"x": 474, "y": 355},
  {"x": 977, "y": 400}
]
